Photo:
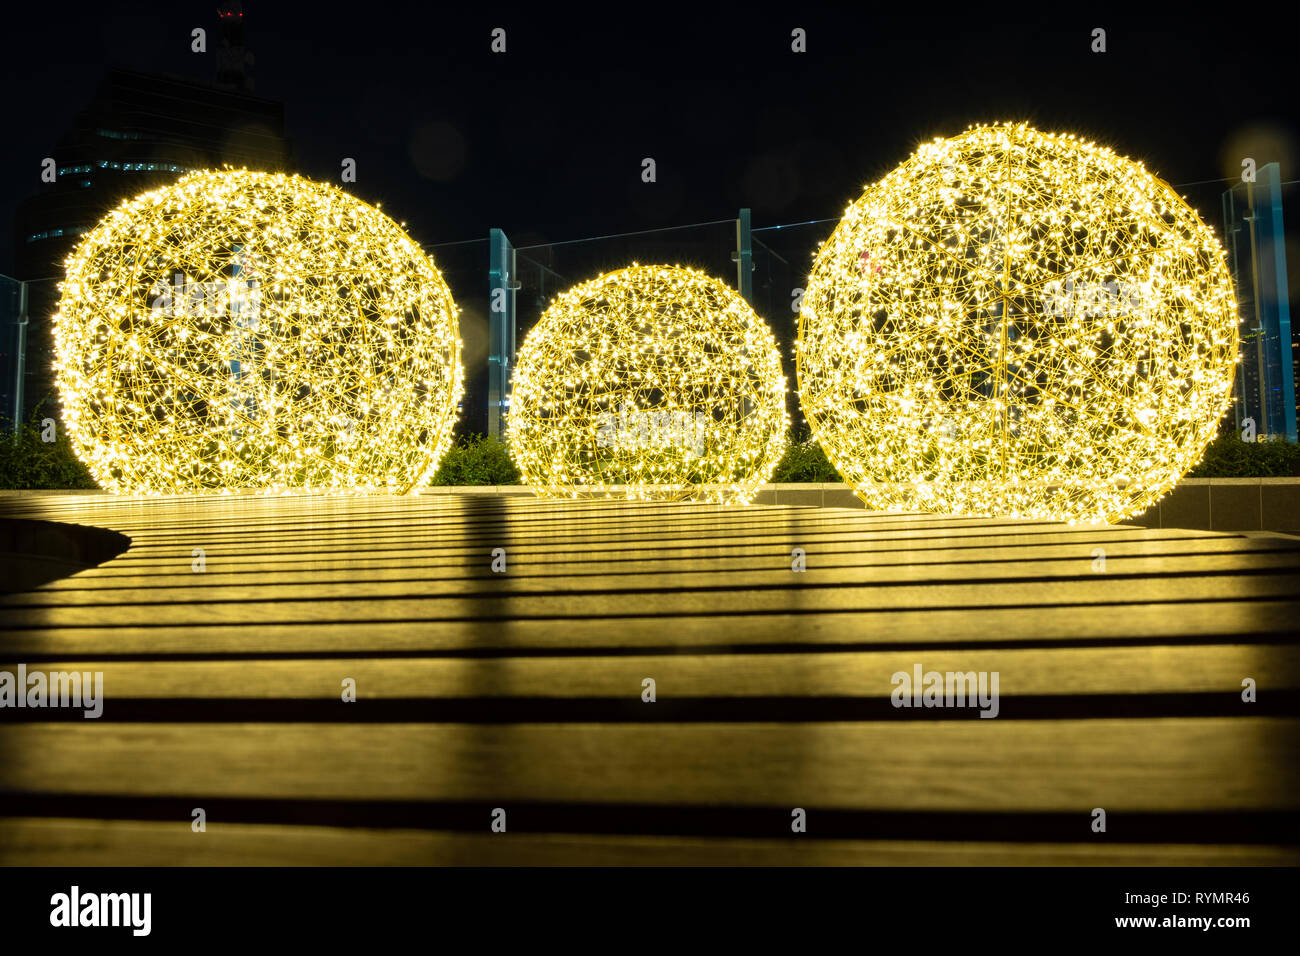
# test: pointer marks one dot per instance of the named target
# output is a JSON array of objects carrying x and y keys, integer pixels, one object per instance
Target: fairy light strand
[
  {"x": 651, "y": 383},
  {"x": 239, "y": 329},
  {"x": 1015, "y": 323}
]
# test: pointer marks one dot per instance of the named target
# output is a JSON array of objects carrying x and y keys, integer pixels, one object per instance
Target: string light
[
  {"x": 252, "y": 330},
  {"x": 652, "y": 382},
  {"x": 1013, "y": 323}
]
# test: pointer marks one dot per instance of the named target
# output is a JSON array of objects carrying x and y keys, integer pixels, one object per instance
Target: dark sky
[{"x": 546, "y": 141}]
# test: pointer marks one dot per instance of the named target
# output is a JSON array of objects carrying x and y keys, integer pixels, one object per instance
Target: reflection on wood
[{"x": 1120, "y": 684}]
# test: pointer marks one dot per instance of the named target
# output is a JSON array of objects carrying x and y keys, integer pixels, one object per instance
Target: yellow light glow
[
  {"x": 652, "y": 382},
  {"x": 1013, "y": 323},
  {"x": 252, "y": 330}
]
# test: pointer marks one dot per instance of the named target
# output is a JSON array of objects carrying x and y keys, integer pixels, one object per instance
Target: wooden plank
[
  {"x": 530, "y": 528},
  {"x": 472, "y": 602},
  {"x": 129, "y": 571},
  {"x": 176, "y": 580},
  {"x": 75, "y": 842},
  {"x": 477, "y": 581},
  {"x": 1162, "y": 622},
  {"x": 432, "y": 532},
  {"x": 1160, "y": 765},
  {"x": 528, "y": 519},
  {"x": 301, "y": 591},
  {"x": 1064, "y": 672}
]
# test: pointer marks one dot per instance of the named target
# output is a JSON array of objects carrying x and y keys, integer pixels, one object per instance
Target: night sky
[{"x": 546, "y": 141}]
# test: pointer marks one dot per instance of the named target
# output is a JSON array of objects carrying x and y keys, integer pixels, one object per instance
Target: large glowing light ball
[
  {"x": 651, "y": 382},
  {"x": 252, "y": 330},
  {"x": 1013, "y": 323}
]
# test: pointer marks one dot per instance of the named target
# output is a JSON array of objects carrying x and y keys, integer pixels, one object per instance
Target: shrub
[
  {"x": 477, "y": 460},
  {"x": 1230, "y": 457},
  {"x": 804, "y": 461},
  {"x": 28, "y": 462},
  {"x": 1225, "y": 457}
]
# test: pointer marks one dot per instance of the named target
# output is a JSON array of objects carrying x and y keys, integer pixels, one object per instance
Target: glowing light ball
[
  {"x": 252, "y": 330},
  {"x": 651, "y": 382},
  {"x": 1018, "y": 324}
]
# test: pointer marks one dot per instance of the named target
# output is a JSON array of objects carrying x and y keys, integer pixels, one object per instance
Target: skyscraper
[
  {"x": 1265, "y": 391},
  {"x": 138, "y": 130}
]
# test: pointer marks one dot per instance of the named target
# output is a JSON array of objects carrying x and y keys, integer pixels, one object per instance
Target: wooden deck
[{"x": 522, "y": 690}]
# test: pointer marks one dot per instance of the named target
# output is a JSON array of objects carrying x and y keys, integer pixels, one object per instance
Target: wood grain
[{"x": 1120, "y": 689}]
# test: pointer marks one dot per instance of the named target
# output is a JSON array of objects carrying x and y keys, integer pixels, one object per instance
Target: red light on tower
[{"x": 234, "y": 61}]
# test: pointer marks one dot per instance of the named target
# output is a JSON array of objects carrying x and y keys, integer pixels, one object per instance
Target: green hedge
[
  {"x": 26, "y": 461},
  {"x": 477, "y": 460},
  {"x": 1225, "y": 457},
  {"x": 804, "y": 461},
  {"x": 1230, "y": 457}
]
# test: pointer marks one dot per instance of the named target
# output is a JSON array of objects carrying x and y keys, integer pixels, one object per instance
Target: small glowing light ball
[
  {"x": 651, "y": 382},
  {"x": 252, "y": 330},
  {"x": 1018, "y": 324}
]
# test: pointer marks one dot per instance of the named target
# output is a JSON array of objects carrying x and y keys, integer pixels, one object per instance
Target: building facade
[
  {"x": 1256, "y": 245},
  {"x": 137, "y": 131}
]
